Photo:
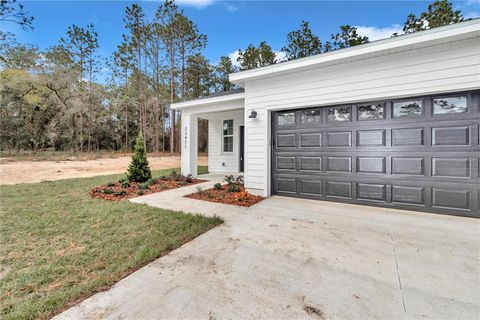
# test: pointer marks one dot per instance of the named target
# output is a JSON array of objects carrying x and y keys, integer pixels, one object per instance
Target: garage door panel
[
  {"x": 371, "y": 164},
  {"x": 371, "y": 192},
  {"x": 311, "y": 140},
  {"x": 451, "y": 167},
  {"x": 408, "y": 194},
  {"x": 448, "y": 198},
  {"x": 422, "y": 161},
  {"x": 408, "y": 165},
  {"x": 311, "y": 187},
  {"x": 286, "y": 163},
  {"x": 339, "y": 139},
  {"x": 408, "y": 137},
  {"x": 451, "y": 136},
  {"x": 339, "y": 189},
  {"x": 339, "y": 164},
  {"x": 286, "y": 185},
  {"x": 311, "y": 163},
  {"x": 371, "y": 138},
  {"x": 286, "y": 140}
]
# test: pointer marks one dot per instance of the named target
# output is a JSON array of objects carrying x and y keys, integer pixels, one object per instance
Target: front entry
[
  {"x": 242, "y": 147},
  {"x": 420, "y": 153}
]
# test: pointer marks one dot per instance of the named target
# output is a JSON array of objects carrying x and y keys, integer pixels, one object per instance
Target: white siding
[
  {"x": 442, "y": 68},
  {"x": 218, "y": 161}
]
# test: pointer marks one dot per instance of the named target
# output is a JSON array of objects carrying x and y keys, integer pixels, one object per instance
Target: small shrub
[
  {"x": 139, "y": 170},
  {"x": 143, "y": 186},
  {"x": 111, "y": 184},
  {"x": 124, "y": 183},
  {"x": 208, "y": 194},
  {"x": 108, "y": 191},
  {"x": 121, "y": 193},
  {"x": 217, "y": 186},
  {"x": 231, "y": 179},
  {"x": 182, "y": 183},
  {"x": 234, "y": 188},
  {"x": 199, "y": 189},
  {"x": 189, "y": 178},
  {"x": 164, "y": 187},
  {"x": 151, "y": 181},
  {"x": 174, "y": 175},
  {"x": 140, "y": 192}
]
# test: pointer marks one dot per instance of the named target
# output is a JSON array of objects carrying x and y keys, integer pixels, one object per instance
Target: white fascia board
[
  {"x": 208, "y": 101},
  {"x": 462, "y": 30}
]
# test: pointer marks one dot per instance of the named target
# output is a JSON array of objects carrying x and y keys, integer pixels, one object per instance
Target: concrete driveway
[{"x": 289, "y": 258}]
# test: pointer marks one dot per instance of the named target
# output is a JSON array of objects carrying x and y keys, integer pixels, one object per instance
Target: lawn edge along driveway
[{"x": 60, "y": 246}]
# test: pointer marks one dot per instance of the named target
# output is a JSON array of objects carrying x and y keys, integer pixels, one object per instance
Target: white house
[{"x": 390, "y": 123}]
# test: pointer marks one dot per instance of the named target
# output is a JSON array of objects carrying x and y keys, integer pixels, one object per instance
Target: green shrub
[
  {"x": 151, "y": 181},
  {"x": 234, "y": 188},
  {"x": 124, "y": 182},
  {"x": 231, "y": 179},
  {"x": 111, "y": 184},
  {"x": 139, "y": 170},
  {"x": 140, "y": 192},
  {"x": 121, "y": 193},
  {"x": 189, "y": 178},
  {"x": 143, "y": 186},
  {"x": 209, "y": 194},
  {"x": 182, "y": 183},
  {"x": 174, "y": 175},
  {"x": 108, "y": 191},
  {"x": 163, "y": 187},
  {"x": 217, "y": 186}
]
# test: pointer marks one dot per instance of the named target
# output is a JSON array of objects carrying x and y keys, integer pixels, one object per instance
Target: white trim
[
  {"x": 466, "y": 29},
  {"x": 207, "y": 101}
]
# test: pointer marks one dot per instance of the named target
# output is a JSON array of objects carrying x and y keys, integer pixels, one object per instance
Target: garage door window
[
  {"x": 286, "y": 119},
  {"x": 407, "y": 108},
  {"x": 371, "y": 111},
  {"x": 450, "y": 105},
  {"x": 340, "y": 114},
  {"x": 227, "y": 135},
  {"x": 310, "y": 116}
]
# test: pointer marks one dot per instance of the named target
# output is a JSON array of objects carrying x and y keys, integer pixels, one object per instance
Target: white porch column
[{"x": 189, "y": 143}]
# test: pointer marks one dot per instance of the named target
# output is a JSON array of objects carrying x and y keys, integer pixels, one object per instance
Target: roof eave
[
  {"x": 441, "y": 34},
  {"x": 207, "y": 101}
]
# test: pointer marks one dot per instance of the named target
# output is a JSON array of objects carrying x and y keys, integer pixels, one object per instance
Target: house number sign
[{"x": 185, "y": 137}]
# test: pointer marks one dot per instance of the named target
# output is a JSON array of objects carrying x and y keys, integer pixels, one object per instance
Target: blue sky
[{"x": 229, "y": 25}]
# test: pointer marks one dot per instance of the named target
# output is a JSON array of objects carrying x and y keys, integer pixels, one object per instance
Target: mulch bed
[
  {"x": 116, "y": 192},
  {"x": 242, "y": 198}
]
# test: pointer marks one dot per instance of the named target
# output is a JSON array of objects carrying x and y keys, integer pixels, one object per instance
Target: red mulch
[
  {"x": 131, "y": 192},
  {"x": 242, "y": 198}
]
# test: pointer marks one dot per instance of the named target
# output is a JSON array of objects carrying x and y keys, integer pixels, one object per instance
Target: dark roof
[{"x": 220, "y": 94}]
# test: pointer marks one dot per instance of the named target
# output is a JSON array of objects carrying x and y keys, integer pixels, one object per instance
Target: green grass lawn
[{"x": 59, "y": 246}]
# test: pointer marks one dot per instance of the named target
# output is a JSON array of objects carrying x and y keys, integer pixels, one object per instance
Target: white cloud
[
  {"x": 199, "y": 4},
  {"x": 230, "y": 7},
  {"x": 376, "y": 33},
  {"x": 233, "y": 57},
  {"x": 280, "y": 56}
]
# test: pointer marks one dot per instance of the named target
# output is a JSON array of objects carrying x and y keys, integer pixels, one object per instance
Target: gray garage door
[{"x": 420, "y": 153}]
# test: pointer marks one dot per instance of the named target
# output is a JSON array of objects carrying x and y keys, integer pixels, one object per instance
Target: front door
[{"x": 242, "y": 146}]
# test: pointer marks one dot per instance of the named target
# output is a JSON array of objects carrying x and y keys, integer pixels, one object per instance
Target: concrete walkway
[{"x": 291, "y": 258}]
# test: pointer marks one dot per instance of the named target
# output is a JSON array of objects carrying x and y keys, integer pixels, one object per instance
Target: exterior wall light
[{"x": 253, "y": 114}]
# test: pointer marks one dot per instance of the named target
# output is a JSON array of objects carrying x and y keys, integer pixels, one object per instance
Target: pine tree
[
  {"x": 439, "y": 13},
  {"x": 139, "y": 170},
  {"x": 302, "y": 43}
]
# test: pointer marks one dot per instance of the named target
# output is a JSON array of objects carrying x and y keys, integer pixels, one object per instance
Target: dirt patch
[
  {"x": 115, "y": 191},
  {"x": 223, "y": 195},
  {"x": 13, "y": 172}
]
